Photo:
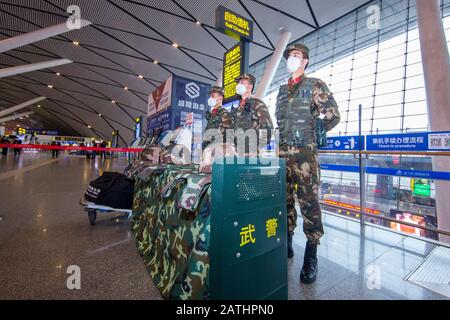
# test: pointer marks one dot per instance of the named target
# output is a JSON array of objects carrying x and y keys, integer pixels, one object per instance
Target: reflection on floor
[{"x": 44, "y": 231}]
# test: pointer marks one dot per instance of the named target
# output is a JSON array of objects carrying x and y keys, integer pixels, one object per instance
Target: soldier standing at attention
[
  {"x": 301, "y": 104},
  {"x": 218, "y": 117},
  {"x": 252, "y": 113}
]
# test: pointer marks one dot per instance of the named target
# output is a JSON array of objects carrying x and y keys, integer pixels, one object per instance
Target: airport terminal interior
[{"x": 110, "y": 188}]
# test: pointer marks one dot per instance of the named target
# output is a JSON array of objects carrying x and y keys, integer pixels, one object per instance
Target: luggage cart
[{"x": 92, "y": 209}]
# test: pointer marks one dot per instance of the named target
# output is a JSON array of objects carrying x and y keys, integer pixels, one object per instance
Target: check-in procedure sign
[{"x": 232, "y": 68}]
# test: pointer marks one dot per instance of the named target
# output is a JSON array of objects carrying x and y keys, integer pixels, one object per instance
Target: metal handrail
[
  {"x": 440, "y": 231},
  {"x": 413, "y": 153}
]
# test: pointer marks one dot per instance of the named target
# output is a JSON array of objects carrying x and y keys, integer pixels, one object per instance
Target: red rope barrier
[{"x": 46, "y": 147}]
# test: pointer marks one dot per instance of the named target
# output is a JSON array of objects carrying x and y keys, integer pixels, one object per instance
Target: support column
[
  {"x": 436, "y": 69},
  {"x": 14, "y": 117},
  {"x": 21, "y": 106},
  {"x": 219, "y": 81},
  {"x": 38, "y": 35},
  {"x": 272, "y": 65},
  {"x": 12, "y": 71}
]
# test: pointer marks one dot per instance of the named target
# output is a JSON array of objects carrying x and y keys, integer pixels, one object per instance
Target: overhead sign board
[
  {"x": 69, "y": 139},
  {"x": 343, "y": 143},
  {"x": 233, "y": 24},
  {"x": 233, "y": 67},
  {"x": 43, "y": 132}
]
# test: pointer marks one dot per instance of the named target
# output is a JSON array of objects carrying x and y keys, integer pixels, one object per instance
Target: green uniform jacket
[
  {"x": 254, "y": 114},
  {"x": 219, "y": 119},
  {"x": 298, "y": 108}
]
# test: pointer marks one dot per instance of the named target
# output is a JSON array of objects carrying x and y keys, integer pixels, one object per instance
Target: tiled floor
[{"x": 45, "y": 230}]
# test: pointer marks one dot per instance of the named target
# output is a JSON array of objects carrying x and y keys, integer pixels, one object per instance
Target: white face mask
[
  {"x": 241, "y": 89},
  {"x": 212, "y": 102},
  {"x": 293, "y": 63}
]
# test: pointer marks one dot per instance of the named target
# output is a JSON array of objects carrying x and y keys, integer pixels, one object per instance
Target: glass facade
[{"x": 381, "y": 70}]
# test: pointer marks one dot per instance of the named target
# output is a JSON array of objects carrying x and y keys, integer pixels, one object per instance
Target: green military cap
[
  {"x": 217, "y": 89},
  {"x": 297, "y": 46},
  {"x": 247, "y": 76}
]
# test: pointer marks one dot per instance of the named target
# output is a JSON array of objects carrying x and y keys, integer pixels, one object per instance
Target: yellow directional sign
[
  {"x": 232, "y": 68},
  {"x": 233, "y": 24}
]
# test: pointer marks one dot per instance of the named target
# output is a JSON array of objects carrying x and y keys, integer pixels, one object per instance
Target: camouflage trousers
[{"x": 303, "y": 180}]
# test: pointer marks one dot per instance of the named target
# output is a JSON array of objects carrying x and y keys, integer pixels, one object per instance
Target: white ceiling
[{"x": 125, "y": 37}]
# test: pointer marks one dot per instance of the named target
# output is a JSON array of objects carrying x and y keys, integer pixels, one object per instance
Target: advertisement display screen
[{"x": 410, "y": 218}]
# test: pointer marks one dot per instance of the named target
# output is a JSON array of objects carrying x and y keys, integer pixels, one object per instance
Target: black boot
[
  {"x": 290, "y": 248},
  {"x": 310, "y": 267}
]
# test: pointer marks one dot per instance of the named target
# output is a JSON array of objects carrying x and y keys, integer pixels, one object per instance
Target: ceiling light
[
  {"x": 175, "y": 45},
  {"x": 50, "y": 86},
  {"x": 17, "y": 125},
  {"x": 58, "y": 74},
  {"x": 39, "y": 106},
  {"x": 155, "y": 62},
  {"x": 76, "y": 43},
  {"x": 113, "y": 101},
  {"x": 141, "y": 76},
  {"x": 125, "y": 88},
  {"x": 89, "y": 127},
  {"x": 99, "y": 114},
  {"x": 27, "y": 116},
  {"x": 198, "y": 22},
  {"x": 21, "y": 118}
]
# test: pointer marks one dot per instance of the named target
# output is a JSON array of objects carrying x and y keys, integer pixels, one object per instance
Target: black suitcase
[{"x": 112, "y": 189}]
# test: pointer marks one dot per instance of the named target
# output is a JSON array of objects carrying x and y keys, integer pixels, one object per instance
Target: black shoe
[
  {"x": 290, "y": 248},
  {"x": 310, "y": 267}
]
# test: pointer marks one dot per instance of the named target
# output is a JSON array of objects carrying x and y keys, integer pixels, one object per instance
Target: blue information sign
[
  {"x": 343, "y": 143},
  {"x": 421, "y": 141}
]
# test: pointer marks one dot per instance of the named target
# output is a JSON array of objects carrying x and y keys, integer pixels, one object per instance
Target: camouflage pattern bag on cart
[{"x": 172, "y": 232}]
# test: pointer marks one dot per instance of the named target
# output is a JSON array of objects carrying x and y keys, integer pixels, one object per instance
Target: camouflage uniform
[
  {"x": 220, "y": 119},
  {"x": 252, "y": 113},
  {"x": 217, "y": 119},
  {"x": 299, "y": 104}
]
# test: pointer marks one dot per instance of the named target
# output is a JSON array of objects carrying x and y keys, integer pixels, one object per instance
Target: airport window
[{"x": 357, "y": 62}]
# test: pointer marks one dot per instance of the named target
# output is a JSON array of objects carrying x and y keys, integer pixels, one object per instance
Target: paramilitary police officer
[
  {"x": 252, "y": 113},
  {"x": 218, "y": 117},
  {"x": 301, "y": 105}
]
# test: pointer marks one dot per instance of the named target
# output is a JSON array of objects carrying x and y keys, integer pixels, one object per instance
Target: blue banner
[
  {"x": 343, "y": 143},
  {"x": 190, "y": 95},
  {"x": 433, "y": 175},
  {"x": 422, "y": 141},
  {"x": 158, "y": 120},
  {"x": 335, "y": 167}
]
